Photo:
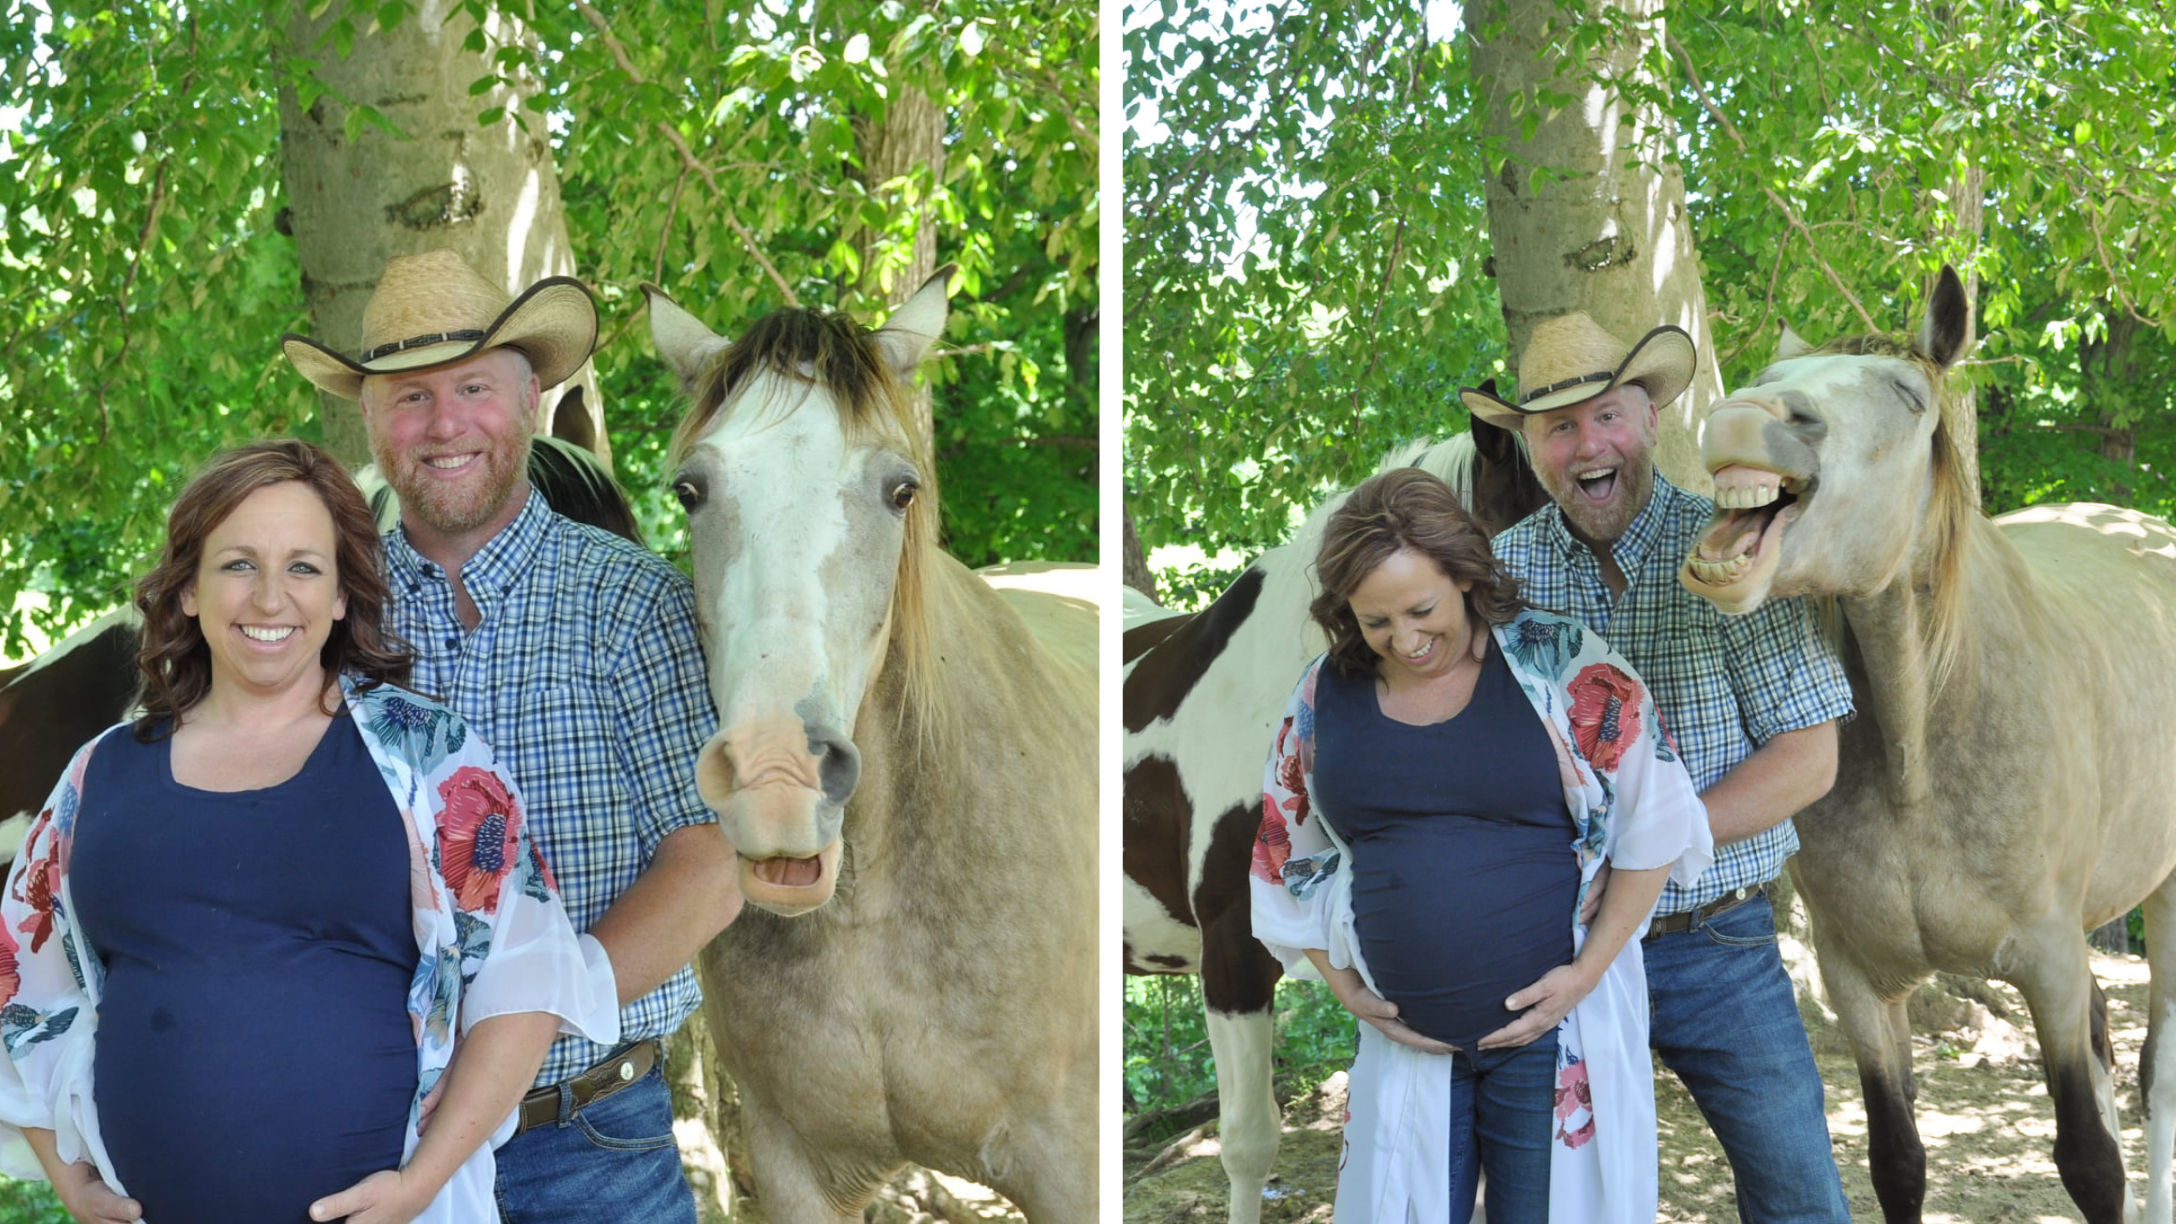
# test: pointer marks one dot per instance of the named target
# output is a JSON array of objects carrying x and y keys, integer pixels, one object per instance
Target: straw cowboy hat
[
  {"x": 431, "y": 309},
  {"x": 1570, "y": 358}
]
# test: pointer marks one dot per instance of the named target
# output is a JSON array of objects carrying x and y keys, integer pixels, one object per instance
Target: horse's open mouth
[
  {"x": 788, "y": 872},
  {"x": 1744, "y": 541}
]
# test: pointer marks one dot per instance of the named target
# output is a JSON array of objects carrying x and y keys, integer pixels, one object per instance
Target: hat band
[
  {"x": 398, "y": 346},
  {"x": 1567, "y": 384}
]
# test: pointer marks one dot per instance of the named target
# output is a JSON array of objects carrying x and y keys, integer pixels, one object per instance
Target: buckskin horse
[
  {"x": 2006, "y": 784},
  {"x": 1203, "y": 694},
  {"x": 908, "y": 775}
]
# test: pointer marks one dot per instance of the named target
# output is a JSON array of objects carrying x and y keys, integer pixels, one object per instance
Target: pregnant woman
[
  {"x": 246, "y": 936},
  {"x": 1449, "y": 778}
]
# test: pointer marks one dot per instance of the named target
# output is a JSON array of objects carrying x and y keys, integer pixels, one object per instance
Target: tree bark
[
  {"x": 1586, "y": 214},
  {"x": 1136, "y": 572},
  {"x": 2107, "y": 370},
  {"x": 907, "y": 140},
  {"x": 489, "y": 193}
]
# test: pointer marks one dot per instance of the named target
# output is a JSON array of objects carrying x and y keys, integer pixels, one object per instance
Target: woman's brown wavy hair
[
  {"x": 1403, "y": 508},
  {"x": 176, "y": 663}
]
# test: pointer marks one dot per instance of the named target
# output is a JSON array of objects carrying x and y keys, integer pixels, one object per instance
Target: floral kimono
[
  {"x": 1633, "y": 805},
  {"x": 491, "y": 939}
]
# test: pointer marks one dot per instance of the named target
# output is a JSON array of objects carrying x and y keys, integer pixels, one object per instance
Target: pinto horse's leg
[
  {"x": 1239, "y": 989},
  {"x": 2054, "y": 973},
  {"x": 2157, "y": 1062},
  {"x": 1881, "y": 1044}
]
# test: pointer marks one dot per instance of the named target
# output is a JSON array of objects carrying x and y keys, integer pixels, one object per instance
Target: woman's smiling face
[
  {"x": 267, "y": 591},
  {"x": 1412, "y": 615}
]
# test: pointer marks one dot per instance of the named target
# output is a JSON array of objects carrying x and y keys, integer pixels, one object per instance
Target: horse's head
[
  {"x": 810, "y": 498},
  {"x": 1828, "y": 462}
]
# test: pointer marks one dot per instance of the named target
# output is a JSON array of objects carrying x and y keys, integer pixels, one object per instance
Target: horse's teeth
[
  {"x": 1744, "y": 497},
  {"x": 1721, "y": 573}
]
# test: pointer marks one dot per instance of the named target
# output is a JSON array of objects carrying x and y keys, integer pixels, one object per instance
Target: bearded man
[{"x": 574, "y": 653}]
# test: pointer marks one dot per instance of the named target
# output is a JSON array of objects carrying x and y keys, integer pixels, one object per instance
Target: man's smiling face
[{"x": 1596, "y": 458}]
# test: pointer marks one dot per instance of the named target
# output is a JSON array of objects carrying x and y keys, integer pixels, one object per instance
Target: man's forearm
[
  {"x": 688, "y": 894},
  {"x": 1777, "y": 781}
]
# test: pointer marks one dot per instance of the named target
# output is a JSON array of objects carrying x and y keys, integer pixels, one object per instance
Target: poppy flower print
[
  {"x": 1605, "y": 714},
  {"x": 39, "y": 888},
  {"x": 478, "y": 837},
  {"x": 1272, "y": 844},
  {"x": 11, "y": 973},
  {"x": 1574, "y": 1105}
]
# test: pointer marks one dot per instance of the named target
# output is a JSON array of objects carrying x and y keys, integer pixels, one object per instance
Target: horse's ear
[
  {"x": 1493, "y": 442},
  {"x": 1790, "y": 345},
  {"x": 571, "y": 422},
  {"x": 906, "y": 336},
  {"x": 682, "y": 340},
  {"x": 1941, "y": 332}
]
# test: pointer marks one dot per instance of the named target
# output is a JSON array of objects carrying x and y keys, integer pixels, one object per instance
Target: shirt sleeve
[
  {"x": 1786, "y": 675},
  {"x": 517, "y": 947},
  {"x": 1296, "y": 865},
  {"x": 663, "y": 699},
  {"x": 47, "y": 1011}
]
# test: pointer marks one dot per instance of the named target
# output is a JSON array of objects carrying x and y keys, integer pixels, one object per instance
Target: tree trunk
[
  {"x": 1135, "y": 571},
  {"x": 2107, "y": 370},
  {"x": 1584, "y": 213},
  {"x": 490, "y": 193},
  {"x": 896, "y": 150}
]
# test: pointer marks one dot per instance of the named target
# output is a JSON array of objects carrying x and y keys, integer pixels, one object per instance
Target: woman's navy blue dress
[
  {"x": 254, "y": 1051},
  {"x": 1464, "y": 879}
]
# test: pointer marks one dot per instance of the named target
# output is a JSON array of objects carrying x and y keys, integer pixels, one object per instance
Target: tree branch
[
  {"x": 1692, "y": 75},
  {"x": 687, "y": 156}
]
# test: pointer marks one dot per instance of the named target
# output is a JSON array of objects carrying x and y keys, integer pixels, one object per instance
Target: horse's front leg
[
  {"x": 2054, "y": 973},
  {"x": 1239, "y": 989},
  {"x": 1881, "y": 1044}
]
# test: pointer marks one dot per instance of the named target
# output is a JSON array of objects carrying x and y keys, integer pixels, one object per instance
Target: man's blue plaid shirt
[
  {"x": 1725, "y": 684},
  {"x": 586, "y": 677}
]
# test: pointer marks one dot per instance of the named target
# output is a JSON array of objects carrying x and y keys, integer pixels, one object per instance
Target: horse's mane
[
  {"x": 827, "y": 351},
  {"x": 1950, "y": 510}
]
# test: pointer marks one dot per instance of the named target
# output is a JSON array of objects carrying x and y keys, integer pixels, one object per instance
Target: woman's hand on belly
[
  {"x": 1351, "y": 991},
  {"x": 1547, "y": 1002},
  {"x": 387, "y": 1197},
  {"x": 92, "y": 1201}
]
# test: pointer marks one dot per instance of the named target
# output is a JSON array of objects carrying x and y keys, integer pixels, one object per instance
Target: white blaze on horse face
[
  {"x": 1821, "y": 474},
  {"x": 796, "y": 545}
]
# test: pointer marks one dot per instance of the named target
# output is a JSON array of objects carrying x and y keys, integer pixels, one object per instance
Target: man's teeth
[
  {"x": 1597, "y": 474},
  {"x": 267, "y": 635},
  {"x": 448, "y": 461},
  {"x": 1721, "y": 573}
]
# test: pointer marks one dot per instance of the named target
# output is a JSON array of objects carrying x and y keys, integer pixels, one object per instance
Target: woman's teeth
[{"x": 267, "y": 635}]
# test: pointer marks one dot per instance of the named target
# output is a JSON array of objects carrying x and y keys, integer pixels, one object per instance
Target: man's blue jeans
[
  {"x": 1503, "y": 1113},
  {"x": 1726, "y": 1021},
  {"x": 614, "y": 1161}
]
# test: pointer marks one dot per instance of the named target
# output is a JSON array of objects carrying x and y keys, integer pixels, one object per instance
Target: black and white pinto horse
[
  {"x": 1203, "y": 695},
  {"x": 52, "y": 705}
]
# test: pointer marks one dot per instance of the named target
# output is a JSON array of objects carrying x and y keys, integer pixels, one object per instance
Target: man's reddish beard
[
  {"x": 1604, "y": 525},
  {"x": 451, "y": 510}
]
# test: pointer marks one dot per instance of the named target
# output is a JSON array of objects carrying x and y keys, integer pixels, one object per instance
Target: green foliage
[
  {"x": 144, "y": 278},
  {"x": 23, "y": 1202},
  {"x": 1167, "y": 1059},
  {"x": 1305, "y": 230}
]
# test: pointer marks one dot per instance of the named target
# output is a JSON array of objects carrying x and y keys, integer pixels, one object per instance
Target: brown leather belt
[
  {"x": 541, "y": 1107},
  {"x": 1670, "y": 924}
]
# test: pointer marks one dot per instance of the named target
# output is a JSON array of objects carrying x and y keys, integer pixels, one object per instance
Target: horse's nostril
[{"x": 838, "y": 763}]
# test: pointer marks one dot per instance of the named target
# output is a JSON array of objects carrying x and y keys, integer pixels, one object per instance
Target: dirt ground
[{"x": 1983, "y": 1114}]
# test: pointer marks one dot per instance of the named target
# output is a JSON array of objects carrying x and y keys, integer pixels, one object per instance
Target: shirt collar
[{"x": 503, "y": 560}]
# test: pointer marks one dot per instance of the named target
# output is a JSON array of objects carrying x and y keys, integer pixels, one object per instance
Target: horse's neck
[{"x": 1893, "y": 632}]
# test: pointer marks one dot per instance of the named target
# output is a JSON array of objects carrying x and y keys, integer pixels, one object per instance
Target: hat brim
[
  {"x": 553, "y": 323},
  {"x": 1662, "y": 362}
]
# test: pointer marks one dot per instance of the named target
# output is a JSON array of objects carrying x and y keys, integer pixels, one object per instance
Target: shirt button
[{"x": 452, "y": 642}]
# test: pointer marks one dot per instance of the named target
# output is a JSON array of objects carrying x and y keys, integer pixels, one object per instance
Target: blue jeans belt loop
[
  {"x": 558, "y": 1103},
  {"x": 1670, "y": 924}
]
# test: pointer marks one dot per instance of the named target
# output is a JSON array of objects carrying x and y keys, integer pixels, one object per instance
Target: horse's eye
[
  {"x": 691, "y": 497},
  {"x": 903, "y": 494}
]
